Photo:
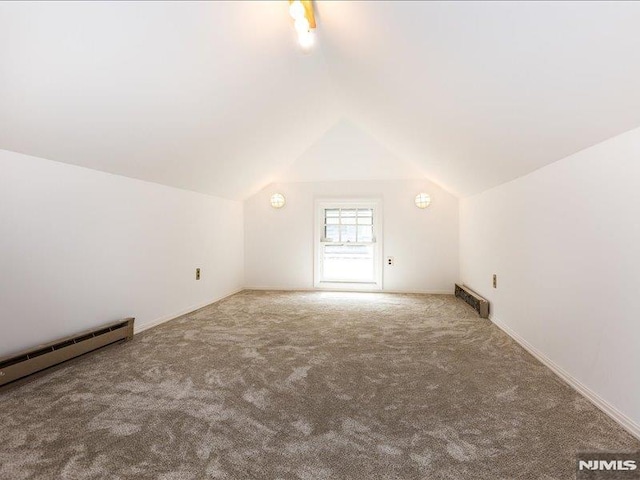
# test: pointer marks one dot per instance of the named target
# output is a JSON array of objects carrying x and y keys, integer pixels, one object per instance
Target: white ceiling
[{"x": 216, "y": 97}]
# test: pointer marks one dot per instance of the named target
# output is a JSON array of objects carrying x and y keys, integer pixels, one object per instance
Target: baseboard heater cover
[
  {"x": 479, "y": 304},
  {"x": 31, "y": 361}
]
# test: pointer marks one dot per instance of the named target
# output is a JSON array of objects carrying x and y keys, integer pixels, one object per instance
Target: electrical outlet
[
  {"x": 391, "y": 261},
  {"x": 197, "y": 274},
  {"x": 495, "y": 281}
]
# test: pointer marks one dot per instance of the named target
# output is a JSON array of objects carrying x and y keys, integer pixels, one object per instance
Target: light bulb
[
  {"x": 423, "y": 200},
  {"x": 306, "y": 40},
  {"x": 302, "y": 25},
  {"x": 296, "y": 10},
  {"x": 277, "y": 200}
]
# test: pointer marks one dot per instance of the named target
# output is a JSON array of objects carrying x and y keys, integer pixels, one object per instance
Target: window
[{"x": 347, "y": 245}]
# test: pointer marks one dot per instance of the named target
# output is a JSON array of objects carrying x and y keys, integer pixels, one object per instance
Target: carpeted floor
[{"x": 275, "y": 385}]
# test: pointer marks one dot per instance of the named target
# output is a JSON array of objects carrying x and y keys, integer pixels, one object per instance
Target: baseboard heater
[
  {"x": 25, "y": 363},
  {"x": 479, "y": 304}
]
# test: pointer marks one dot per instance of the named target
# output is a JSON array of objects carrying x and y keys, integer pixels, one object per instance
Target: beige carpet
[{"x": 305, "y": 386}]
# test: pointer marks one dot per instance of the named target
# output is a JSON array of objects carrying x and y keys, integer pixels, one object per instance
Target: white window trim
[{"x": 323, "y": 203}]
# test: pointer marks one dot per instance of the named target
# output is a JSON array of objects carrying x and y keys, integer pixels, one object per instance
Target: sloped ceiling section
[
  {"x": 217, "y": 97},
  {"x": 479, "y": 93},
  {"x": 208, "y": 96}
]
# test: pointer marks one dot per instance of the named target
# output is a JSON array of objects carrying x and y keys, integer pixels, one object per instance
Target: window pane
[
  {"x": 332, "y": 233},
  {"x": 348, "y": 233},
  {"x": 365, "y": 220},
  {"x": 349, "y": 216},
  {"x": 365, "y": 212},
  {"x": 365, "y": 233},
  {"x": 348, "y": 263},
  {"x": 331, "y": 216}
]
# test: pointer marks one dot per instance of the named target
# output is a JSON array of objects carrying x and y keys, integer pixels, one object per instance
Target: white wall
[
  {"x": 565, "y": 244},
  {"x": 279, "y": 243},
  {"x": 79, "y": 248}
]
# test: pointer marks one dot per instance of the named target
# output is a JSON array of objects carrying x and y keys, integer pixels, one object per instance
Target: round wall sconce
[
  {"x": 277, "y": 200},
  {"x": 423, "y": 200}
]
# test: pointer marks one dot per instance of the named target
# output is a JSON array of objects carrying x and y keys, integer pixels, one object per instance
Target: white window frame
[{"x": 328, "y": 203}]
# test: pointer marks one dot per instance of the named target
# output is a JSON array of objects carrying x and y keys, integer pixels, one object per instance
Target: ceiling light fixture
[
  {"x": 277, "y": 200},
  {"x": 423, "y": 200},
  {"x": 304, "y": 21}
]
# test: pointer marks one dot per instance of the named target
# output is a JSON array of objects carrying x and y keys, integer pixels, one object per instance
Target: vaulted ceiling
[{"x": 218, "y": 98}]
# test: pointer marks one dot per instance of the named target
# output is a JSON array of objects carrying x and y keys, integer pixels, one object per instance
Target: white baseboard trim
[
  {"x": 421, "y": 292},
  {"x": 153, "y": 323},
  {"x": 620, "y": 418},
  {"x": 314, "y": 289}
]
